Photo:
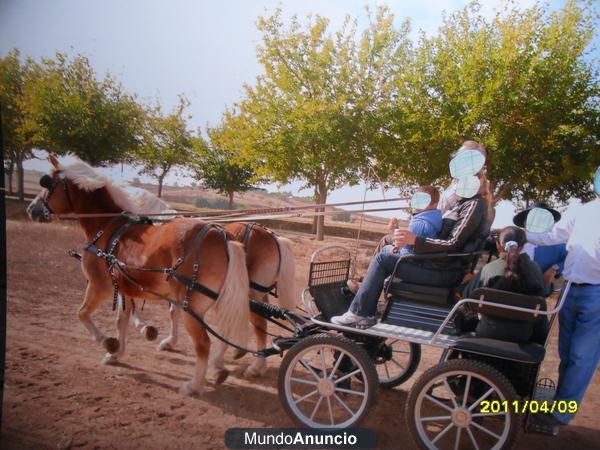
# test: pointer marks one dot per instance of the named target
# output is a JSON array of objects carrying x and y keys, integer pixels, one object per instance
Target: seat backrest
[{"x": 506, "y": 298}]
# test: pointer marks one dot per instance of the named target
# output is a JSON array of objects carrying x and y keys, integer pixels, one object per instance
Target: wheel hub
[
  {"x": 461, "y": 417},
  {"x": 384, "y": 354},
  {"x": 326, "y": 387}
]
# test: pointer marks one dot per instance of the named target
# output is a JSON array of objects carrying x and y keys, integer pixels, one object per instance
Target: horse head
[{"x": 55, "y": 197}]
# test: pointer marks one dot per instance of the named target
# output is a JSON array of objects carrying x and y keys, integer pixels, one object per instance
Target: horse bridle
[{"x": 50, "y": 184}]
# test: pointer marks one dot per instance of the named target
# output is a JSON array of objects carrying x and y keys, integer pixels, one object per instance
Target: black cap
[{"x": 520, "y": 218}]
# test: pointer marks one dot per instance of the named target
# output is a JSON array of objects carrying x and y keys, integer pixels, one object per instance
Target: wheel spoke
[
  {"x": 350, "y": 391},
  {"x": 488, "y": 414},
  {"x": 443, "y": 432},
  {"x": 473, "y": 441},
  {"x": 323, "y": 365},
  {"x": 309, "y": 368},
  {"x": 316, "y": 407},
  {"x": 303, "y": 381},
  {"x": 330, "y": 410},
  {"x": 457, "y": 442},
  {"x": 451, "y": 392},
  {"x": 466, "y": 394},
  {"x": 387, "y": 371},
  {"x": 343, "y": 403},
  {"x": 304, "y": 397},
  {"x": 398, "y": 364},
  {"x": 348, "y": 375},
  {"x": 336, "y": 365},
  {"x": 485, "y": 430},
  {"x": 480, "y": 399},
  {"x": 432, "y": 418},
  {"x": 437, "y": 402}
]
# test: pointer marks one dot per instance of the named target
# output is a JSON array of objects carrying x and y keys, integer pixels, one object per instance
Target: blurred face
[{"x": 420, "y": 201}]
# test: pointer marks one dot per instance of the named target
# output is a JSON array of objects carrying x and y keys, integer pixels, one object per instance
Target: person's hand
[
  {"x": 393, "y": 225},
  {"x": 403, "y": 237},
  {"x": 549, "y": 276}
]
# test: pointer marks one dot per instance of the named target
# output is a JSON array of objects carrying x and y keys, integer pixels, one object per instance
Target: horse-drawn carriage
[{"x": 479, "y": 395}]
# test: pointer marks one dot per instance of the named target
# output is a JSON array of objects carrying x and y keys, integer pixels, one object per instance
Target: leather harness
[{"x": 245, "y": 238}]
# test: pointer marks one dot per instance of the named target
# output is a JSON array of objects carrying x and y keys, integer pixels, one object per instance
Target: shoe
[
  {"x": 544, "y": 424},
  {"x": 353, "y": 286},
  {"x": 349, "y": 319}
]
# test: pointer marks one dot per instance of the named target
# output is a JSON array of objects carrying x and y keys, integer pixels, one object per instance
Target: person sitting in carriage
[
  {"x": 426, "y": 221},
  {"x": 464, "y": 228},
  {"x": 513, "y": 271}
]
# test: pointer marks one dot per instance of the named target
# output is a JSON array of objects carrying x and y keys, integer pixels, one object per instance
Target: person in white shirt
[{"x": 579, "y": 318}]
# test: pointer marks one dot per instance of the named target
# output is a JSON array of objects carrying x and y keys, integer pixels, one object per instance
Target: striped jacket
[{"x": 462, "y": 231}]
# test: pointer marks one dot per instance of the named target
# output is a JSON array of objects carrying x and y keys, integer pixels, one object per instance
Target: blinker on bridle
[{"x": 48, "y": 183}]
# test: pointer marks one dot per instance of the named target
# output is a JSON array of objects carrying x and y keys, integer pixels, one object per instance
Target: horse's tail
[
  {"x": 232, "y": 306},
  {"x": 286, "y": 286}
]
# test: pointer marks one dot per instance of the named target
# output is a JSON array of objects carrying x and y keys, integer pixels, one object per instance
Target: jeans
[
  {"x": 578, "y": 344},
  {"x": 382, "y": 265}
]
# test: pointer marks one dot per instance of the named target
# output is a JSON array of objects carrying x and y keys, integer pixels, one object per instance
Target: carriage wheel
[
  {"x": 318, "y": 384},
  {"x": 396, "y": 361},
  {"x": 444, "y": 408}
]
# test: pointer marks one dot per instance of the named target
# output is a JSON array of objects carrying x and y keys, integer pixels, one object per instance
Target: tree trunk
[
  {"x": 230, "y": 203},
  {"x": 322, "y": 198},
  {"x": 315, "y": 218},
  {"x": 21, "y": 175},
  {"x": 10, "y": 172},
  {"x": 161, "y": 178}
]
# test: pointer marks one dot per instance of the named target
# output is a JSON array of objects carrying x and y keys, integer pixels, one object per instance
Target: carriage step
[
  {"x": 386, "y": 330},
  {"x": 422, "y": 317}
]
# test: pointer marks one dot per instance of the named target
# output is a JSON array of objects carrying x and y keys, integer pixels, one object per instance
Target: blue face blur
[{"x": 597, "y": 182}]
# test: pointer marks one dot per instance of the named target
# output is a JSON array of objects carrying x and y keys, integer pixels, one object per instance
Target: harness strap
[
  {"x": 246, "y": 236},
  {"x": 261, "y": 288},
  {"x": 190, "y": 311},
  {"x": 190, "y": 284}
]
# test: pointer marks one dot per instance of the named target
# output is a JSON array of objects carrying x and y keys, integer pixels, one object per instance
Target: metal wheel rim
[
  {"x": 386, "y": 370},
  {"x": 322, "y": 401},
  {"x": 466, "y": 435}
]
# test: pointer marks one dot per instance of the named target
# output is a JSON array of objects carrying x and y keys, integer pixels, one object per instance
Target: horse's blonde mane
[{"x": 128, "y": 198}]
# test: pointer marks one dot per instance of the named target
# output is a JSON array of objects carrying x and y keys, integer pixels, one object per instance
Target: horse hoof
[
  {"x": 187, "y": 389},
  {"x": 166, "y": 344},
  {"x": 253, "y": 372},
  {"x": 238, "y": 354},
  {"x": 110, "y": 359},
  {"x": 150, "y": 332},
  {"x": 222, "y": 376},
  {"x": 111, "y": 344}
]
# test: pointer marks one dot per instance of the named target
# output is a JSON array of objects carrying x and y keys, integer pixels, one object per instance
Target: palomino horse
[
  {"x": 270, "y": 261},
  {"x": 204, "y": 268}
]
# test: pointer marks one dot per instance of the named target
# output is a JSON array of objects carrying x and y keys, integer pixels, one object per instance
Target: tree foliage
[
  {"x": 18, "y": 145},
  {"x": 70, "y": 111},
  {"x": 217, "y": 168},
  {"x": 521, "y": 84},
  {"x": 166, "y": 142},
  {"x": 312, "y": 113}
]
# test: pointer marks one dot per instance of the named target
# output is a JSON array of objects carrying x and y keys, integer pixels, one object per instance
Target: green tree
[
  {"x": 17, "y": 142},
  {"x": 522, "y": 84},
  {"x": 311, "y": 114},
  {"x": 68, "y": 110},
  {"x": 218, "y": 169},
  {"x": 166, "y": 142}
]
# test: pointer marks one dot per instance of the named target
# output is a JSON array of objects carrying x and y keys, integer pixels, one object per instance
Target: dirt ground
[{"x": 57, "y": 394}]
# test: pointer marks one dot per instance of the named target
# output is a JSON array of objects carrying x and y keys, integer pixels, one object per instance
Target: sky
[{"x": 204, "y": 49}]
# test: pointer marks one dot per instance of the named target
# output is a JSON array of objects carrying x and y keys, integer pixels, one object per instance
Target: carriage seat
[{"x": 528, "y": 352}]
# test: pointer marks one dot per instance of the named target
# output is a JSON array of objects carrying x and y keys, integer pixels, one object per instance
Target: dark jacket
[
  {"x": 492, "y": 276},
  {"x": 464, "y": 229}
]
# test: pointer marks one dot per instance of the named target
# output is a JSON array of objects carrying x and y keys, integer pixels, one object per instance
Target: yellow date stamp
[{"x": 528, "y": 406}]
